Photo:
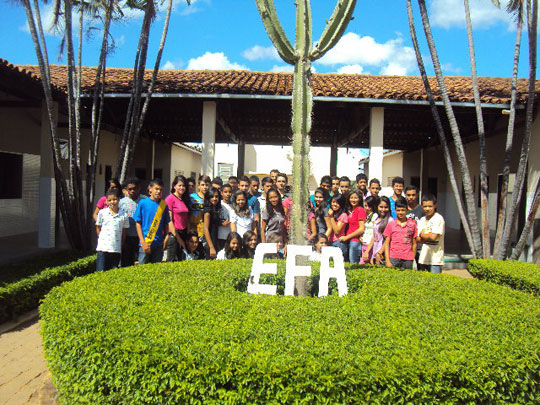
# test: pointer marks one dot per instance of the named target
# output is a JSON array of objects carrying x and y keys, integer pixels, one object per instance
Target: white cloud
[
  {"x": 282, "y": 68},
  {"x": 449, "y": 13},
  {"x": 260, "y": 52},
  {"x": 214, "y": 61},
  {"x": 449, "y": 68},
  {"x": 168, "y": 65},
  {"x": 351, "y": 69},
  {"x": 392, "y": 57}
]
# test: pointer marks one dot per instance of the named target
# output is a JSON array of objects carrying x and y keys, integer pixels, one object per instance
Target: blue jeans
[
  {"x": 343, "y": 247},
  {"x": 432, "y": 268},
  {"x": 355, "y": 251},
  {"x": 107, "y": 260},
  {"x": 155, "y": 255}
]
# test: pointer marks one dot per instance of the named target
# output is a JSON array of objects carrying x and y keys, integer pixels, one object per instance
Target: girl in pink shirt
[
  {"x": 338, "y": 222},
  {"x": 356, "y": 219},
  {"x": 375, "y": 252},
  {"x": 178, "y": 203}
]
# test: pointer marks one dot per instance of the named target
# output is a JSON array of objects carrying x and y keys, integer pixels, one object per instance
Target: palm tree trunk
[
  {"x": 486, "y": 242},
  {"x": 440, "y": 130},
  {"x": 460, "y": 151},
  {"x": 98, "y": 101},
  {"x": 62, "y": 193},
  {"x": 501, "y": 218},
  {"x": 532, "y": 25},
  {"x": 529, "y": 224}
]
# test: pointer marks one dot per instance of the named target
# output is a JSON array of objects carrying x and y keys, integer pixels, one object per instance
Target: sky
[{"x": 220, "y": 34}]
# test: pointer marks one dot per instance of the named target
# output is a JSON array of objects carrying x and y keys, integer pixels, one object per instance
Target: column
[
  {"x": 47, "y": 184},
  {"x": 376, "y": 130},
  {"x": 241, "y": 158},
  {"x": 333, "y": 159},
  {"x": 208, "y": 137}
]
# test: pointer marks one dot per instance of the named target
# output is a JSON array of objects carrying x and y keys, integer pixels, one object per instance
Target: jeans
[
  {"x": 107, "y": 260},
  {"x": 355, "y": 252},
  {"x": 130, "y": 251},
  {"x": 404, "y": 264},
  {"x": 432, "y": 268},
  {"x": 343, "y": 247},
  {"x": 155, "y": 255}
]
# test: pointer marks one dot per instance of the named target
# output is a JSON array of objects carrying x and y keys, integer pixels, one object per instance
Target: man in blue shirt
[
  {"x": 153, "y": 222},
  {"x": 397, "y": 186}
]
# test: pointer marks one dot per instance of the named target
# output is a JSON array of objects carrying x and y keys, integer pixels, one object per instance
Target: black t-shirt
[{"x": 416, "y": 214}]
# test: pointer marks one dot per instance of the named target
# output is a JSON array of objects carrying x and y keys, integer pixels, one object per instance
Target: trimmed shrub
[
  {"x": 518, "y": 275},
  {"x": 24, "y": 295},
  {"x": 179, "y": 333},
  {"x": 10, "y": 273}
]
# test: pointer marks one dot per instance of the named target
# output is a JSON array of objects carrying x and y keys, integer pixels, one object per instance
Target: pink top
[
  {"x": 378, "y": 238},
  {"x": 358, "y": 214},
  {"x": 401, "y": 239},
  {"x": 102, "y": 203},
  {"x": 179, "y": 211},
  {"x": 343, "y": 218}
]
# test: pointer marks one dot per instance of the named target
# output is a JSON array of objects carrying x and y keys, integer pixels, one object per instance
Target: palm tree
[
  {"x": 532, "y": 27},
  {"x": 476, "y": 247},
  {"x": 440, "y": 129},
  {"x": 486, "y": 242}
]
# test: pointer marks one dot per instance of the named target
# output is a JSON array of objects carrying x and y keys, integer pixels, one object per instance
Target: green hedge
[
  {"x": 25, "y": 294},
  {"x": 518, "y": 275},
  {"x": 10, "y": 273},
  {"x": 183, "y": 333}
]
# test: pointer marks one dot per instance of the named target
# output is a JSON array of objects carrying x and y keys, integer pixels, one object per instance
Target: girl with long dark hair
[
  {"x": 338, "y": 221},
  {"x": 178, "y": 203},
  {"x": 212, "y": 220},
  {"x": 233, "y": 247}
]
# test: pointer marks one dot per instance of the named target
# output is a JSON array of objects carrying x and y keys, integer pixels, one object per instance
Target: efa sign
[{"x": 292, "y": 270}]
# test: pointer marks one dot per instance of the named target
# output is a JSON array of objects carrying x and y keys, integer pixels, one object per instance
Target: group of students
[{"x": 212, "y": 219}]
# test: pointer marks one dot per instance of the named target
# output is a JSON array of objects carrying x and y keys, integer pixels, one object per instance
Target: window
[
  {"x": 11, "y": 175},
  {"x": 158, "y": 174},
  {"x": 225, "y": 170}
]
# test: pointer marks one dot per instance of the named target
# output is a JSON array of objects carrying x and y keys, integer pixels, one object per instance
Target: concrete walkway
[{"x": 24, "y": 377}]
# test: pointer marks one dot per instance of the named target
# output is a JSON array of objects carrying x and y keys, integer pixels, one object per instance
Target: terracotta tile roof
[{"x": 494, "y": 90}]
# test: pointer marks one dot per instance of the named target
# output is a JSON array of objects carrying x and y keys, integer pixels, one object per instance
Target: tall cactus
[{"x": 301, "y": 57}]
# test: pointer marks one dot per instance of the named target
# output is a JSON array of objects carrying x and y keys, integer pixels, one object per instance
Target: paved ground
[{"x": 24, "y": 377}]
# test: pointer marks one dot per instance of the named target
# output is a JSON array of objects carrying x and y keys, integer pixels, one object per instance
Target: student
[
  {"x": 178, "y": 202},
  {"x": 356, "y": 225},
  {"x": 326, "y": 183},
  {"x": 370, "y": 206},
  {"x": 112, "y": 184},
  {"x": 397, "y": 188},
  {"x": 319, "y": 242},
  {"x": 225, "y": 215},
  {"x": 431, "y": 235},
  {"x": 344, "y": 185},
  {"x": 375, "y": 248},
  {"x": 273, "y": 175},
  {"x": 193, "y": 249},
  {"x": 212, "y": 221},
  {"x": 273, "y": 217},
  {"x": 319, "y": 221},
  {"x": 280, "y": 246},
  {"x": 233, "y": 247},
  {"x": 361, "y": 184},
  {"x": 244, "y": 185},
  {"x": 267, "y": 184},
  {"x": 335, "y": 186},
  {"x": 153, "y": 223},
  {"x": 250, "y": 242},
  {"x": 400, "y": 238},
  {"x": 414, "y": 210},
  {"x": 196, "y": 217},
  {"x": 191, "y": 185},
  {"x": 128, "y": 204},
  {"x": 242, "y": 218},
  {"x": 217, "y": 183},
  {"x": 338, "y": 223},
  {"x": 233, "y": 181},
  {"x": 253, "y": 199},
  {"x": 374, "y": 188},
  {"x": 281, "y": 184},
  {"x": 111, "y": 228}
]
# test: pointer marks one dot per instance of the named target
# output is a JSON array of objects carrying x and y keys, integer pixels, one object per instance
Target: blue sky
[{"x": 219, "y": 34}]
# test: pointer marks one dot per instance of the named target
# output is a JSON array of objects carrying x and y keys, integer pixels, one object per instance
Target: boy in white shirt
[
  {"x": 111, "y": 225},
  {"x": 431, "y": 235}
]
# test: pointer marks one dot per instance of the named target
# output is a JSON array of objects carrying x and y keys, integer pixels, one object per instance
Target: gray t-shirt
[
  {"x": 275, "y": 224},
  {"x": 416, "y": 214}
]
